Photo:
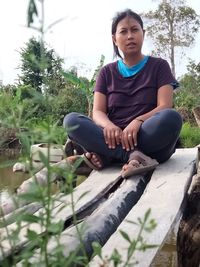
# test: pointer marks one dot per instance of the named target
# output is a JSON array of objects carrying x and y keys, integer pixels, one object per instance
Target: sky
[{"x": 80, "y": 38}]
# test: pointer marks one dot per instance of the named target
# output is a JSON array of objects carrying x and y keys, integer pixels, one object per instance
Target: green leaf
[
  {"x": 32, "y": 235},
  {"x": 147, "y": 214},
  {"x": 73, "y": 79},
  {"x": 55, "y": 228},
  {"x": 97, "y": 249},
  {"x": 116, "y": 257},
  {"x": 30, "y": 218},
  {"x": 32, "y": 10},
  {"x": 125, "y": 236}
]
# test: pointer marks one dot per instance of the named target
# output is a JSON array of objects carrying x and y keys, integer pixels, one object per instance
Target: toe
[{"x": 96, "y": 161}]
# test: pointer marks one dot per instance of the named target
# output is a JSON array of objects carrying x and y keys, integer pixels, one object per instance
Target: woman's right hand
[{"x": 112, "y": 135}]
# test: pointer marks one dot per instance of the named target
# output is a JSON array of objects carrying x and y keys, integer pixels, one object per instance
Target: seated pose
[{"x": 133, "y": 120}]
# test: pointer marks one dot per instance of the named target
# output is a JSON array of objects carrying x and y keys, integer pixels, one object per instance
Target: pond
[{"x": 10, "y": 181}]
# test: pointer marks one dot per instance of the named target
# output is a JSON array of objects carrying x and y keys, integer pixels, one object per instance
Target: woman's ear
[{"x": 114, "y": 39}]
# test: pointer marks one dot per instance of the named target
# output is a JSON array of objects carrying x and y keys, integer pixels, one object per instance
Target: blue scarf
[{"x": 130, "y": 71}]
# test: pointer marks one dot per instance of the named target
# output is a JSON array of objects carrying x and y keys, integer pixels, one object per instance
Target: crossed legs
[{"x": 157, "y": 137}]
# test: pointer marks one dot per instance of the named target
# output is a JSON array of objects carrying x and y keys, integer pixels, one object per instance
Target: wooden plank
[
  {"x": 91, "y": 190},
  {"x": 103, "y": 222},
  {"x": 164, "y": 195}
]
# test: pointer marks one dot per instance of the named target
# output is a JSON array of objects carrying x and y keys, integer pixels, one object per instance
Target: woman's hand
[
  {"x": 112, "y": 135},
  {"x": 129, "y": 135}
]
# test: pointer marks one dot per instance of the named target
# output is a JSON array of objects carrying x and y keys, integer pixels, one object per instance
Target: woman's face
[{"x": 129, "y": 36}]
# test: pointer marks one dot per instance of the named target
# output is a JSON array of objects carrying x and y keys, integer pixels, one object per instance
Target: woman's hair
[{"x": 118, "y": 17}]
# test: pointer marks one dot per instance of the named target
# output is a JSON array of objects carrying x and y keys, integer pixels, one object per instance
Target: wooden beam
[{"x": 165, "y": 195}]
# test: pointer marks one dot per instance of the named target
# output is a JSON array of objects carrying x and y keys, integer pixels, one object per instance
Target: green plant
[
  {"x": 190, "y": 136},
  {"x": 68, "y": 100}
]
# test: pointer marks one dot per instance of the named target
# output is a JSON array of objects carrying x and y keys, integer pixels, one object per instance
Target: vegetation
[
  {"x": 173, "y": 25},
  {"x": 187, "y": 98}
]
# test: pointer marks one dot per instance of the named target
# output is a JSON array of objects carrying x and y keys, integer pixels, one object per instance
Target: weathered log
[
  {"x": 41, "y": 178},
  {"x": 188, "y": 238},
  {"x": 11, "y": 217},
  {"x": 28, "y": 166},
  {"x": 196, "y": 112}
]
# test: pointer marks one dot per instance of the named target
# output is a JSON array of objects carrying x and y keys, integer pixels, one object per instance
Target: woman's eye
[
  {"x": 123, "y": 31},
  {"x": 135, "y": 30}
]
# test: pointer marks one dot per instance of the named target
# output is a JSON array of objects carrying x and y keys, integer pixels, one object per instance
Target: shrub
[{"x": 68, "y": 100}]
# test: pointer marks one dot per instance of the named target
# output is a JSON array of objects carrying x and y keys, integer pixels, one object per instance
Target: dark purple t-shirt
[{"x": 128, "y": 98}]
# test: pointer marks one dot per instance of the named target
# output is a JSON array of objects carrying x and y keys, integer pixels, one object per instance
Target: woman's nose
[{"x": 130, "y": 34}]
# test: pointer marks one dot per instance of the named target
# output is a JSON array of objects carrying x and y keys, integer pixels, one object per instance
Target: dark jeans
[{"x": 157, "y": 136}]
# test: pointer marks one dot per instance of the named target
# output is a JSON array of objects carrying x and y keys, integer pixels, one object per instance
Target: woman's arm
[
  {"x": 100, "y": 109},
  {"x": 112, "y": 133},
  {"x": 164, "y": 100}
]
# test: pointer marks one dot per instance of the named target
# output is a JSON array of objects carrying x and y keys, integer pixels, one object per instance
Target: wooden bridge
[{"x": 105, "y": 207}]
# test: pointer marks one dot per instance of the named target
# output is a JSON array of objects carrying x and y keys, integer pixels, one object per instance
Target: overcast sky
[{"x": 81, "y": 38}]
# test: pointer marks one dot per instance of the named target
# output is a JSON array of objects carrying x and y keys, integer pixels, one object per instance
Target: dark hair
[{"x": 119, "y": 16}]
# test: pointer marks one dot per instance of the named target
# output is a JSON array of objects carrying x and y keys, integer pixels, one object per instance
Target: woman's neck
[{"x": 131, "y": 61}]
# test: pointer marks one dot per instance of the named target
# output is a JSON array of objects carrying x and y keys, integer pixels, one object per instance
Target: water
[{"x": 9, "y": 181}]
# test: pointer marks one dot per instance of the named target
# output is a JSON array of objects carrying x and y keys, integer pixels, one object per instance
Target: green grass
[{"x": 190, "y": 136}]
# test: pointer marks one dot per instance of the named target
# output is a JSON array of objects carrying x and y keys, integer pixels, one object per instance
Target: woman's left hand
[{"x": 129, "y": 135}]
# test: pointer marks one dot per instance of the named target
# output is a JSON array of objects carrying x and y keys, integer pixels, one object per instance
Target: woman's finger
[
  {"x": 131, "y": 141},
  {"x": 117, "y": 137}
]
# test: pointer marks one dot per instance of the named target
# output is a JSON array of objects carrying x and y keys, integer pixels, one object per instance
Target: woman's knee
[
  {"x": 171, "y": 118},
  {"x": 71, "y": 119}
]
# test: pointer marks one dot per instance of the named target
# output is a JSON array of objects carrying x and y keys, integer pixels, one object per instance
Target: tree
[
  {"x": 41, "y": 68},
  {"x": 172, "y": 25},
  {"x": 187, "y": 98}
]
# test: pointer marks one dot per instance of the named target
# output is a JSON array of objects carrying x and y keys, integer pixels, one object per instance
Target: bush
[{"x": 68, "y": 100}]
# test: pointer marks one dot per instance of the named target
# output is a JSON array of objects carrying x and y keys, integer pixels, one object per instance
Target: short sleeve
[
  {"x": 101, "y": 85},
  {"x": 165, "y": 75}
]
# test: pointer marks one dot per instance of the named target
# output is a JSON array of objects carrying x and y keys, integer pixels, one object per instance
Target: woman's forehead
[{"x": 128, "y": 21}]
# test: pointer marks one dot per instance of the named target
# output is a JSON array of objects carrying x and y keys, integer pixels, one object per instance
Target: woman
[{"x": 133, "y": 120}]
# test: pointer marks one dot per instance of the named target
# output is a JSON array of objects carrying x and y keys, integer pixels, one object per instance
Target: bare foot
[
  {"x": 132, "y": 163},
  {"x": 94, "y": 159}
]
